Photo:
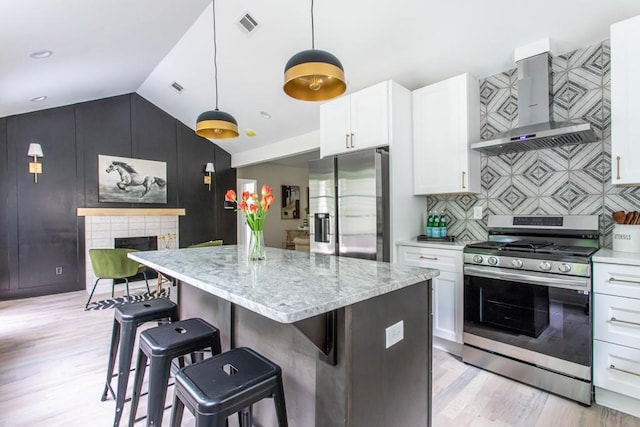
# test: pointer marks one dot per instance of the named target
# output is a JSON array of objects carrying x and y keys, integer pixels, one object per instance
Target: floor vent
[
  {"x": 177, "y": 87},
  {"x": 248, "y": 24}
]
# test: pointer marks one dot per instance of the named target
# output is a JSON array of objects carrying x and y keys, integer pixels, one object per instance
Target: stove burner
[
  {"x": 527, "y": 245},
  {"x": 567, "y": 250},
  {"x": 487, "y": 245},
  {"x": 532, "y": 246}
]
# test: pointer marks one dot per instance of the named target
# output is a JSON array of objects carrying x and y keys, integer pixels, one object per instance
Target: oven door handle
[{"x": 530, "y": 277}]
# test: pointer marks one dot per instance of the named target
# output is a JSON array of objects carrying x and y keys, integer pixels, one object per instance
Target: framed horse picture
[{"x": 125, "y": 180}]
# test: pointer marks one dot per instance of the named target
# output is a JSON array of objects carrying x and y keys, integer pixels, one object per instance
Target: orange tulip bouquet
[{"x": 255, "y": 211}]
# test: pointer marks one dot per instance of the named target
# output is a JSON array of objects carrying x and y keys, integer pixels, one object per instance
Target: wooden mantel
[{"x": 131, "y": 212}]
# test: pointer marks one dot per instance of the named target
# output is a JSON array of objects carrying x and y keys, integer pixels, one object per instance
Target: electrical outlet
[
  {"x": 394, "y": 334},
  {"x": 477, "y": 212},
  {"x": 58, "y": 271}
]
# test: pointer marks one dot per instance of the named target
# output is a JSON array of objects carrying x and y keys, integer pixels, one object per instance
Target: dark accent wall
[
  {"x": 40, "y": 227},
  {"x": 4, "y": 208}
]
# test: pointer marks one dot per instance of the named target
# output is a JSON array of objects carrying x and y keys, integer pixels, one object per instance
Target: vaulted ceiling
[{"x": 111, "y": 47}]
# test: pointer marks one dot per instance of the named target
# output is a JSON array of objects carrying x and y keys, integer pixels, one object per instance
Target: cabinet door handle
[
  {"x": 612, "y": 366},
  {"x": 628, "y": 322},
  {"x": 430, "y": 258},
  {"x": 352, "y": 145},
  {"x": 617, "y": 167},
  {"x": 463, "y": 174},
  {"x": 613, "y": 280},
  {"x": 346, "y": 140}
]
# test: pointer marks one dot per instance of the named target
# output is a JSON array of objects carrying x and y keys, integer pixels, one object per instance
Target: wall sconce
[
  {"x": 35, "y": 151},
  {"x": 209, "y": 169}
]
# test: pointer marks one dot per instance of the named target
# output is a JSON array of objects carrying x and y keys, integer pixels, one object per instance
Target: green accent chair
[
  {"x": 207, "y": 244},
  {"x": 114, "y": 264}
]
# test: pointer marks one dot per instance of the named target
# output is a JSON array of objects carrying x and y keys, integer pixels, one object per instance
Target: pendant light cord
[
  {"x": 313, "y": 31},
  {"x": 215, "y": 53}
]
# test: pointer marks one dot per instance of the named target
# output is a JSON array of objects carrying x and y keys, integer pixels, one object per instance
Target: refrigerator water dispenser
[{"x": 321, "y": 226}]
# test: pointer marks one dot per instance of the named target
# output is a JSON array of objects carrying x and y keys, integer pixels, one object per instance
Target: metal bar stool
[
  {"x": 229, "y": 383},
  {"x": 160, "y": 345},
  {"x": 126, "y": 320}
]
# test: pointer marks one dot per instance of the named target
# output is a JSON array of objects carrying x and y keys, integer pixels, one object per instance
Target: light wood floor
[{"x": 53, "y": 358}]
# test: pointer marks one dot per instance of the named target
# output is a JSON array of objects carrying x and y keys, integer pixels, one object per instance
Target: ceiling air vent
[
  {"x": 177, "y": 87},
  {"x": 248, "y": 24}
]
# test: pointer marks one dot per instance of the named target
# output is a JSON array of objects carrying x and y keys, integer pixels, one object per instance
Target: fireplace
[
  {"x": 103, "y": 226},
  {"x": 144, "y": 243}
]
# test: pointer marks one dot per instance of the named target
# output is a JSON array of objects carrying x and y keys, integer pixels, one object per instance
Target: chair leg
[
  {"x": 128, "y": 296},
  {"x": 159, "y": 371},
  {"x": 176, "y": 411},
  {"x": 245, "y": 417},
  {"x": 281, "y": 407},
  {"x": 115, "y": 339},
  {"x": 92, "y": 291},
  {"x": 141, "y": 366},
  {"x": 144, "y": 273},
  {"x": 113, "y": 287},
  {"x": 125, "y": 348}
]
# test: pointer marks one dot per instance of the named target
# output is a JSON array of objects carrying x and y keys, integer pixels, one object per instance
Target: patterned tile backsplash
[{"x": 569, "y": 180}]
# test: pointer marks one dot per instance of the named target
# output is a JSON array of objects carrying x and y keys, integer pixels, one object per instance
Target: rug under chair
[{"x": 114, "y": 302}]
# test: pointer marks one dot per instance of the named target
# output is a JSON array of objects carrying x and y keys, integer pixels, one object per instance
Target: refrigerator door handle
[{"x": 321, "y": 227}]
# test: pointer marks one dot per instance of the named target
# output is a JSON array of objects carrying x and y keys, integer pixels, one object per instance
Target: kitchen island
[{"x": 353, "y": 337}]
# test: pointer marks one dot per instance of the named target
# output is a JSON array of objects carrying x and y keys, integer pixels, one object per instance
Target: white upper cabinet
[
  {"x": 359, "y": 120},
  {"x": 446, "y": 119},
  {"x": 625, "y": 101}
]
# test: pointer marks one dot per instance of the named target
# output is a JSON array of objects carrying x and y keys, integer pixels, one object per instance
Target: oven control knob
[
  {"x": 492, "y": 260},
  {"x": 545, "y": 266},
  {"x": 516, "y": 263},
  {"x": 564, "y": 268},
  {"x": 477, "y": 259}
]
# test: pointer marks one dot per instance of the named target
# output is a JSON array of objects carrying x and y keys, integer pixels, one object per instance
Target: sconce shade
[
  {"x": 35, "y": 150},
  {"x": 216, "y": 124},
  {"x": 314, "y": 75},
  {"x": 209, "y": 168}
]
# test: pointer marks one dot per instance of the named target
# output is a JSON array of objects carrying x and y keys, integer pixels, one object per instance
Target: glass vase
[{"x": 256, "y": 246}]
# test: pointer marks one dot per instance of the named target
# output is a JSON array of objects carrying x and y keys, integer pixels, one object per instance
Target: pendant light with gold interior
[
  {"x": 216, "y": 124},
  {"x": 314, "y": 74}
]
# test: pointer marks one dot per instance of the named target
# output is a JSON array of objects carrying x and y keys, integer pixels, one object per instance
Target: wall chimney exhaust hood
[{"x": 537, "y": 130}]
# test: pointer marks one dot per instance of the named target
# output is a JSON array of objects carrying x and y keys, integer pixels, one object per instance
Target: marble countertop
[
  {"x": 616, "y": 257},
  {"x": 290, "y": 285}
]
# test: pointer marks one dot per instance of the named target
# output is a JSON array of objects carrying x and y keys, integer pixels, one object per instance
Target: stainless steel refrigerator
[{"x": 349, "y": 205}]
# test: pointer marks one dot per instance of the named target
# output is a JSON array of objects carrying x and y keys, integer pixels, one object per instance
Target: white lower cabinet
[
  {"x": 616, "y": 333},
  {"x": 447, "y": 291}
]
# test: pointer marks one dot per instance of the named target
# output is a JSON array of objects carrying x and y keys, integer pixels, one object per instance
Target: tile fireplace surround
[{"x": 102, "y": 226}]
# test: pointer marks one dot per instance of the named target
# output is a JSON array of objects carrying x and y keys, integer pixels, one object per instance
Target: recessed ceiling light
[
  {"x": 40, "y": 54},
  {"x": 249, "y": 132},
  {"x": 265, "y": 115},
  {"x": 38, "y": 98}
]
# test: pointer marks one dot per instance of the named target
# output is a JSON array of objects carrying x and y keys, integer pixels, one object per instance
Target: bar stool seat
[
  {"x": 126, "y": 319},
  {"x": 160, "y": 345},
  {"x": 226, "y": 384}
]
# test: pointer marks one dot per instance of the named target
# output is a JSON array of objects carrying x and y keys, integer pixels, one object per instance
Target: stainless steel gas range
[{"x": 527, "y": 298}]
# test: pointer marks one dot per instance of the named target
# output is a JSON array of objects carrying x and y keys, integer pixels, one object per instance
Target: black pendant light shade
[
  {"x": 216, "y": 124},
  {"x": 314, "y": 75}
]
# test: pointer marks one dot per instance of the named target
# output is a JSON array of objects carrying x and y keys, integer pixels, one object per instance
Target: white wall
[
  {"x": 275, "y": 176},
  {"x": 286, "y": 148}
]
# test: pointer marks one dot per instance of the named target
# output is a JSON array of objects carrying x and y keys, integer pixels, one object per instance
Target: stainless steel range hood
[{"x": 537, "y": 129}]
